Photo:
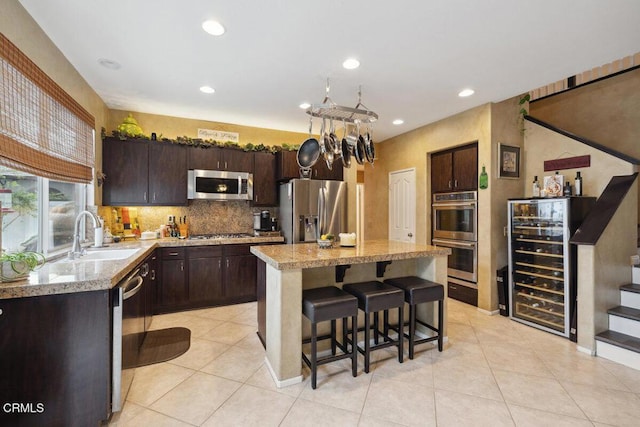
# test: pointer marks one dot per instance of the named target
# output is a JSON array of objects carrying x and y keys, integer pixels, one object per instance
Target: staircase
[{"x": 621, "y": 342}]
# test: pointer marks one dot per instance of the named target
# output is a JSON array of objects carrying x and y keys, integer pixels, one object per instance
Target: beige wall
[
  {"x": 172, "y": 127},
  {"x": 607, "y": 112},
  {"x": 18, "y": 26},
  {"x": 543, "y": 144},
  {"x": 487, "y": 124}
]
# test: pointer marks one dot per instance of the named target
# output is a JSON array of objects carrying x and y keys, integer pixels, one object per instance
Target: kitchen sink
[{"x": 107, "y": 254}]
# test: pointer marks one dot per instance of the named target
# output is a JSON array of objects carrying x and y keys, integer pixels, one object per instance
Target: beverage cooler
[{"x": 542, "y": 263}]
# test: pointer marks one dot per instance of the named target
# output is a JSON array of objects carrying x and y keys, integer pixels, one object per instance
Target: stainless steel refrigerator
[{"x": 311, "y": 207}]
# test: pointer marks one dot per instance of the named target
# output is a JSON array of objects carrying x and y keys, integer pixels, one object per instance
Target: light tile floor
[{"x": 492, "y": 372}]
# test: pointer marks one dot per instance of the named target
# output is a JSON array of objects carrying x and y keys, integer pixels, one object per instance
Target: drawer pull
[{"x": 173, "y": 253}]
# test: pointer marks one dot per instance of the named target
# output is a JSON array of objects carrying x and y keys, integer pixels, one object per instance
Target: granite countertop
[
  {"x": 310, "y": 255},
  {"x": 66, "y": 276}
]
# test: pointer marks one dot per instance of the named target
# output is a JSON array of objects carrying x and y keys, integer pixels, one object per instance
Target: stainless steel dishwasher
[{"x": 128, "y": 333}]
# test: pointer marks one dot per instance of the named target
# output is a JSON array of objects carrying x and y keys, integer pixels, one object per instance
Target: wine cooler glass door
[{"x": 538, "y": 254}]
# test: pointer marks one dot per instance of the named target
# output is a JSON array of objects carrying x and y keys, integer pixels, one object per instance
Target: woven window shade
[{"x": 43, "y": 130}]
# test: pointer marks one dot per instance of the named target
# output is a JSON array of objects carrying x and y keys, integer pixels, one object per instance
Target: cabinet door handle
[
  {"x": 449, "y": 183},
  {"x": 153, "y": 275},
  {"x": 227, "y": 262},
  {"x": 145, "y": 196},
  {"x": 181, "y": 265},
  {"x": 154, "y": 196},
  {"x": 225, "y": 165},
  {"x": 219, "y": 263},
  {"x": 455, "y": 183},
  {"x": 218, "y": 165}
]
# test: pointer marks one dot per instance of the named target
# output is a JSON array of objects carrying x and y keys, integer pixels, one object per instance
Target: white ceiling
[{"x": 415, "y": 55}]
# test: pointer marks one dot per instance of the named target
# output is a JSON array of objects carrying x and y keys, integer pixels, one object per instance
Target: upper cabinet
[
  {"x": 142, "y": 172},
  {"x": 215, "y": 158},
  {"x": 265, "y": 189},
  {"x": 288, "y": 168},
  {"x": 455, "y": 169}
]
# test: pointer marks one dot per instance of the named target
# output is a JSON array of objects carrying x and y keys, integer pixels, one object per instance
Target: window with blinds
[{"x": 43, "y": 130}]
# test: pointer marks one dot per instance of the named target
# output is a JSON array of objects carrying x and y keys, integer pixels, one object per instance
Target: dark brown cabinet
[
  {"x": 167, "y": 174},
  {"x": 55, "y": 357},
  {"x": 287, "y": 165},
  {"x": 172, "y": 287},
  {"x": 202, "y": 276},
  {"x": 205, "y": 275},
  {"x": 126, "y": 165},
  {"x": 239, "y": 274},
  {"x": 321, "y": 171},
  {"x": 287, "y": 168},
  {"x": 265, "y": 191},
  {"x": 216, "y": 158},
  {"x": 142, "y": 172},
  {"x": 455, "y": 170}
]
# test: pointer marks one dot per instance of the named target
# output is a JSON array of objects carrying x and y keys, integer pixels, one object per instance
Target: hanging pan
[{"x": 309, "y": 151}]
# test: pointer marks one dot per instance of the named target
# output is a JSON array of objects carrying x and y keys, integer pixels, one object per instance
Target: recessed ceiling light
[
  {"x": 207, "y": 89},
  {"x": 466, "y": 92},
  {"x": 213, "y": 27},
  {"x": 305, "y": 105},
  {"x": 109, "y": 63},
  {"x": 398, "y": 122},
  {"x": 351, "y": 64}
]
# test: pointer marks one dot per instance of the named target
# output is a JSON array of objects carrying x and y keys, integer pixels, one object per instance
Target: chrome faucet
[{"x": 76, "y": 249}]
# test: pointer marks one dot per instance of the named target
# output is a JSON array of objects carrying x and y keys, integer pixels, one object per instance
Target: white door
[{"x": 402, "y": 205}]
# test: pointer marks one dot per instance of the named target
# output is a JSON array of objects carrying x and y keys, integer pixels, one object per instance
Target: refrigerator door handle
[{"x": 322, "y": 212}]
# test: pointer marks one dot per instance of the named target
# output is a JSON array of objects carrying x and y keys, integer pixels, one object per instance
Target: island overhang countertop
[{"x": 310, "y": 255}]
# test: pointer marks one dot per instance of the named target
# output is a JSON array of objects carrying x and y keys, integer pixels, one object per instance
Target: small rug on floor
[{"x": 163, "y": 344}]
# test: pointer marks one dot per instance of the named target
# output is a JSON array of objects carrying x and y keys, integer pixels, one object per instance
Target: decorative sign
[
  {"x": 568, "y": 163},
  {"x": 218, "y": 135}
]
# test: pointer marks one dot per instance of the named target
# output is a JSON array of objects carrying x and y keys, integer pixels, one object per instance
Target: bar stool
[
  {"x": 329, "y": 303},
  {"x": 373, "y": 297},
  {"x": 417, "y": 291}
]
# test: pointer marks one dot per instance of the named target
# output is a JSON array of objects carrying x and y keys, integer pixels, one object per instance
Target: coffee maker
[{"x": 262, "y": 221}]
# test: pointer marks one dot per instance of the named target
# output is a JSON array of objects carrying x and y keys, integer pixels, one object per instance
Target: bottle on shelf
[
  {"x": 578, "y": 184},
  {"x": 567, "y": 189},
  {"x": 484, "y": 179},
  {"x": 536, "y": 187}
]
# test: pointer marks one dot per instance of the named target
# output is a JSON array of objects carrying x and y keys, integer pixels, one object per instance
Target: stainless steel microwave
[{"x": 219, "y": 185}]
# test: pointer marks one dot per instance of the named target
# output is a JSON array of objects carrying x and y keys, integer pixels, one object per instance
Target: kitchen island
[{"x": 292, "y": 268}]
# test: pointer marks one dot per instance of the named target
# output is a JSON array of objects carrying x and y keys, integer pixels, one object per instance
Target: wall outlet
[{"x": 635, "y": 259}]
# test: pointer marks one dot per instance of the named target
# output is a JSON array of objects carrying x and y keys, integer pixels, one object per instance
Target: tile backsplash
[{"x": 203, "y": 216}]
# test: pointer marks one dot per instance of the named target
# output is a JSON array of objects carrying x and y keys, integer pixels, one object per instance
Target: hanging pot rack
[{"x": 328, "y": 109}]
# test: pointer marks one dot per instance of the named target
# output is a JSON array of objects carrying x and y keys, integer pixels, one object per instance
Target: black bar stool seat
[
  {"x": 329, "y": 304},
  {"x": 418, "y": 291},
  {"x": 373, "y": 297}
]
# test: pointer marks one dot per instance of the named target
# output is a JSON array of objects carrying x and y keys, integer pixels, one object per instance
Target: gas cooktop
[{"x": 219, "y": 236}]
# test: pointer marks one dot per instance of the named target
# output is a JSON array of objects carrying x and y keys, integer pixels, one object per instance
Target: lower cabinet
[
  {"x": 171, "y": 289},
  {"x": 202, "y": 276},
  {"x": 205, "y": 275},
  {"x": 55, "y": 359},
  {"x": 239, "y": 274}
]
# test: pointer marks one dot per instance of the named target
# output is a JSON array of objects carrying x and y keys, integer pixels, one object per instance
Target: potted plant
[{"x": 17, "y": 265}]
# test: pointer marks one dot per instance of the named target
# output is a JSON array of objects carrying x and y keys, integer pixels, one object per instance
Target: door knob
[{"x": 410, "y": 234}]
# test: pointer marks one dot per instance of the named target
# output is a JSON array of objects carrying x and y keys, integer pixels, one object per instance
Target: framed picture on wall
[{"x": 508, "y": 161}]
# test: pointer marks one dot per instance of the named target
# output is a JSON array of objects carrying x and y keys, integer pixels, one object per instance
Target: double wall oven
[{"x": 455, "y": 226}]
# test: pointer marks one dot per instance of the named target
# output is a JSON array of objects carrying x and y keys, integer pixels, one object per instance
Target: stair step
[
  {"x": 626, "y": 312},
  {"x": 630, "y": 295},
  {"x": 620, "y": 340},
  {"x": 631, "y": 287}
]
